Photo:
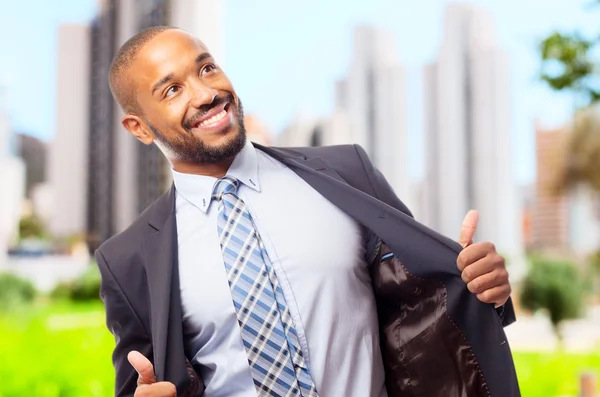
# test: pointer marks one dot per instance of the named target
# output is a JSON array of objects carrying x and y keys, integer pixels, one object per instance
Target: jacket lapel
[
  {"x": 160, "y": 255},
  {"x": 425, "y": 254}
]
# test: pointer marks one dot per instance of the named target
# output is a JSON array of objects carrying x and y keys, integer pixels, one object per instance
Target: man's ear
[{"x": 138, "y": 128}]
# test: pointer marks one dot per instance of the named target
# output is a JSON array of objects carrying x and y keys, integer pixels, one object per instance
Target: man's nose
[{"x": 202, "y": 94}]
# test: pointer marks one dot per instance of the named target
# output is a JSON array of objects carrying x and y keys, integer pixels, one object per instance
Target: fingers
[
  {"x": 487, "y": 264},
  {"x": 497, "y": 295},
  {"x": 468, "y": 228},
  {"x": 489, "y": 281},
  {"x": 476, "y": 252},
  {"x": 143, "y": 366},
  {"x": 160, "y": 389}
]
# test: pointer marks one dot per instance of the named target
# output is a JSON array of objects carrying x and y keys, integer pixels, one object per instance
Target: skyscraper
[
  {"x": 68, "y": 160},
  {"x": 550, "y": 215},
  {"x": 312, "y": 131},
  {"x": 562, "y": 222},
  {"x": 12, "y": 182},
  {"x": 373, "y": 96},
  {"x": 100, "y": 193},
  {"x": 370, "y": 110},
  {"x": 33, "y": 151},
  {"x": 468, "y": 133}
]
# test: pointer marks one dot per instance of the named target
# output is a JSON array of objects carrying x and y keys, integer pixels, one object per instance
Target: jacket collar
[{"x": 165, "y": 205}]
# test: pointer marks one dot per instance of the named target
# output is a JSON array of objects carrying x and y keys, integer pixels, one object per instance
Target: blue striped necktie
[{"x": 276, "y": 361}]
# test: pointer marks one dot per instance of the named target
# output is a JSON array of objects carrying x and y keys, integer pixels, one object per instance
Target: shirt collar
[{"x": 197, "y": 189}]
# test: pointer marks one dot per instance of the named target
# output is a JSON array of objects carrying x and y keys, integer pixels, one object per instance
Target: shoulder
[
  {"x": 126, "y": 247},
  {"x": 335, "y": 154},
  {"x": 350, "y": 161}
]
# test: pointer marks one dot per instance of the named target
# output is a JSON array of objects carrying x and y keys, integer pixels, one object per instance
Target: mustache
[{"x": 204, "y": 109}]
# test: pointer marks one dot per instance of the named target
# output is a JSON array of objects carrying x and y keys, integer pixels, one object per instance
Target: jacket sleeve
[
  {"x": 124, "y": 324},
  {"x": 384, "y": 192}
]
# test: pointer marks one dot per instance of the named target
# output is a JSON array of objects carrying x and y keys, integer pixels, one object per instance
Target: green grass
[
  {"x": 58, "y": 351},
  {"x": 63, "y": 350},
  {"x": 554, "y": 374}
]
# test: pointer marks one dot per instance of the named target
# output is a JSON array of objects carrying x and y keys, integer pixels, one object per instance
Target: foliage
[
  {"x": 569, "y": 64},
  {"x": 14, "y": 291},
  {"x": 555, "y": 286},
  {"x": 85, "y": 288},
  {"x": 32, "y": 227}
]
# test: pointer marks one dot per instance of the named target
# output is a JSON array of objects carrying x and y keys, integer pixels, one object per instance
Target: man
[{"x": 284, "y": 272}]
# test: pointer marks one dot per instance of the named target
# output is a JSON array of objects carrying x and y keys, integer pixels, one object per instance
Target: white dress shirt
[{"x": 318, "y": 257}]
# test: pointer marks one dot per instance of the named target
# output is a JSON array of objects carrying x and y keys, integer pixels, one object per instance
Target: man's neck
[{"x": 216, "y": 170}]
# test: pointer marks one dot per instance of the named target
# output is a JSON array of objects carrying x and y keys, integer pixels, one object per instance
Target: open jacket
[{"x": 437, "y": 338}]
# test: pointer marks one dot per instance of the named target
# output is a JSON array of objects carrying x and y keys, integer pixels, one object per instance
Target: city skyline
[
  {"x": 370, "y": 110},
  {"x": 259, "y": 70},
  {"x": 467, "y": 117}
]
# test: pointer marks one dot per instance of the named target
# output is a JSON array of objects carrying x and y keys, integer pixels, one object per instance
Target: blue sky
[{"x": 286, "y": 56}]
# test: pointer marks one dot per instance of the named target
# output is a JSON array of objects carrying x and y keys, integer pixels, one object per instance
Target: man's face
[{"x": 186, "y": 102}]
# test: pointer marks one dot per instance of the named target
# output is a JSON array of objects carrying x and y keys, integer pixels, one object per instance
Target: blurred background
[{"x": 492, "y": 105}]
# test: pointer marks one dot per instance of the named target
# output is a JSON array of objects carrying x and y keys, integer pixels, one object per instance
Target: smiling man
[{"x": 284, "y": 272}]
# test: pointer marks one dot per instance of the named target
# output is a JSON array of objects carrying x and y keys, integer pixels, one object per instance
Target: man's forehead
[
  {"x": 169, "y": 46},
  {"x": 164, "y": 54}
]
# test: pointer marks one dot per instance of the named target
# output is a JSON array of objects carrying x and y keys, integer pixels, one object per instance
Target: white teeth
[{"x": 213, "y": 119}]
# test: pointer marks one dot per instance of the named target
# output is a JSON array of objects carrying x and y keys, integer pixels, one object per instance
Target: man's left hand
[{"x": 482, "y": 268}]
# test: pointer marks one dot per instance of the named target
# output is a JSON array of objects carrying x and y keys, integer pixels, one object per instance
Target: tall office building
[
  {"x": 130, "y": 175},
  {"x": 370, "y": 110},
  {"x": 12, "y": 182},
  {"x": 550, "y": 212},
  {"x": 101, "y": 138},
  {"x": 68, "y": 151},
  {"x": 373, "y": 97},
  {"x": 33, "y": 151},
  {"x": 317, "y": 131},
  {"x": 562, "y": 222},
  {"x": 468, "y": 133}
]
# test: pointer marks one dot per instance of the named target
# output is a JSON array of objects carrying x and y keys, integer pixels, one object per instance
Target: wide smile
[{"x": 216, "y": 119}]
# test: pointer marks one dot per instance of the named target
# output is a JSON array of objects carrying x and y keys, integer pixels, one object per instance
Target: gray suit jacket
[{"x": 437, "y": 338}]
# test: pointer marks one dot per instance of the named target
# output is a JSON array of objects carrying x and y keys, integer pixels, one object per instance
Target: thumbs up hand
[
  {"x": 482, "y": 268},
  {"x": 147, "y": 384}
]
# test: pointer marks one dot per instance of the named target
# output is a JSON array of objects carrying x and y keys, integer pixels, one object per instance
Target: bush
[
  {"x": 32, "y": 227},
  {"x": 85, "y": 288},
  {"x": 556, "y": 287},
  {"x": 15, "y": 291}
]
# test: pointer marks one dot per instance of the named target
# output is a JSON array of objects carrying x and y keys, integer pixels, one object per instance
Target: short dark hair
[{"x": 122, "y": 91}]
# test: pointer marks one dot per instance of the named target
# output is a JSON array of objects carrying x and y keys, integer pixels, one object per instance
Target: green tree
[
  {"x": 569, "y": 64},
  {"x": 32, "y": 227},
  {"x": 556, "y": 287}
]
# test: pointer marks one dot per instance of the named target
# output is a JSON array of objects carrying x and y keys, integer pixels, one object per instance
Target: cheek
[{"x": 168, "y": 119}]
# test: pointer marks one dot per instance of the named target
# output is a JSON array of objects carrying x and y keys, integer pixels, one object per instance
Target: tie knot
[{"x": 225, "y": 185}]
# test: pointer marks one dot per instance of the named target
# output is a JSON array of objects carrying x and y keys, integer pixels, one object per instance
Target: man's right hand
[{"x": 147, "y": 384}]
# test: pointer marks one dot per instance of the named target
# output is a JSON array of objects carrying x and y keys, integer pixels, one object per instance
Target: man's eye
[
  {"x": 172, "y": 90},
  {"x": 208, "y": 68}
]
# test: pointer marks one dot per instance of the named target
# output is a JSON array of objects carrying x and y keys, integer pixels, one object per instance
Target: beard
[{"x": 191, "y": 149}]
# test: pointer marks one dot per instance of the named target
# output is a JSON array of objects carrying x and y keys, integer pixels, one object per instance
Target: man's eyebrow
[
  {"x": 162, "y": 82},
  {"x": 201, "y": 58}
]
